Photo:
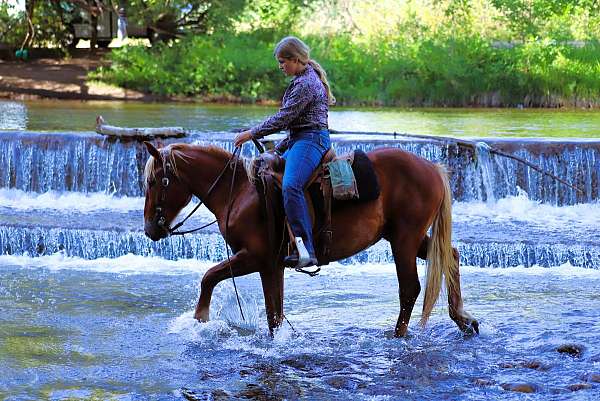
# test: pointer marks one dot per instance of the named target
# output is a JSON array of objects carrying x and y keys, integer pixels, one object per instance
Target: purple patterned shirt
[{"x": 304, "y": 106}]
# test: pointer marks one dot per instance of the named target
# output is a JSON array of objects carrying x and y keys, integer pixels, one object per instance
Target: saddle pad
[{"x": 366, "y": 179}]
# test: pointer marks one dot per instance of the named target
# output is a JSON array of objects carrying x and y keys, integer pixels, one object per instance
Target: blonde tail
[{"x": 440, "y": 259}]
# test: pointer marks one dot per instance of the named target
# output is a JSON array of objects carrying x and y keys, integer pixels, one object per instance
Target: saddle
[{"x": 267, "y": 172}]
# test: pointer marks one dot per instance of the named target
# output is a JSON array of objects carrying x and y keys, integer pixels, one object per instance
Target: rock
[
  {"x": 579, "y": 386},
  {"x": 520, "y": 387},
  {"x": 341, "y": 382},
  {"x": 192, "y": 395},
  {"x": 508, "y": 365},
  {"x": 537, "y": 365},
  {"x": 574, "y": 350},
  {"x": 255, "y": 392},
  {"x": 483, "y": 382},
  {"x": 593, "y": 377}
]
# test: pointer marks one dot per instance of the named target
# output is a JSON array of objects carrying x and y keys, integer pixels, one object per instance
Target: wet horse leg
[
  {"x": 240, "y": 266},
  {"x": 462, "y": 318},
  {"x": 408, "y": 280},
  {"x": 465, "y": 322},
  {"x": 272, "y": 283}
]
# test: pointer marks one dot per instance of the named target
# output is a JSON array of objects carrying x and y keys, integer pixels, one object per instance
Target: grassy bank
[{"x": 435, "y": 71}]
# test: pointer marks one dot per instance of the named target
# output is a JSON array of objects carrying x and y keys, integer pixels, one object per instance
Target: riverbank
[
  {"x": 436, "y": 71},
  {"x": 496, "y": 78},
  {"x": 61, "y": 78},
  {"x": 49, "y": 77}
]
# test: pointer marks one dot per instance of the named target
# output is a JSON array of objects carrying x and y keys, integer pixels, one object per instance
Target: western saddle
[{"x": 268, "y": 171}]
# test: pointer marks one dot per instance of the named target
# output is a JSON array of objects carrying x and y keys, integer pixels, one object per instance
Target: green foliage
[
  {"x": 530, "y": 18},
  {"x": 12, "y": 26},
  {"x": 240, "y": 66},
  {"x": 178, "y": 17},
  {"x": 50, "y": 24},
  {"x": 450, "y": 53},
  {"x": 441, "y": 70},
  {"x": 278, "y": 15}
]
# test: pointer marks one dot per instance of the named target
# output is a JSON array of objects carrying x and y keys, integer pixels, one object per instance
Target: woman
[{"x": 304, "y": 113}]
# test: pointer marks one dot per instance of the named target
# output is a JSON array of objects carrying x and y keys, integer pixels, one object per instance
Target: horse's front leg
[
  {"x": 241, "y": 264},
  {"x": 272, "y": 283}
]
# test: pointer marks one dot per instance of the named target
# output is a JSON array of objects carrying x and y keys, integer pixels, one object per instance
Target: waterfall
[
  {"x": 93, "y": 244},
  {"x": 87, "y": 162},
  {"x": 93, "y": 169}
]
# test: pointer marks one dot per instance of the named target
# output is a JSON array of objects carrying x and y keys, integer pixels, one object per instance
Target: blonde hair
[{"x": 291, "y": 47}]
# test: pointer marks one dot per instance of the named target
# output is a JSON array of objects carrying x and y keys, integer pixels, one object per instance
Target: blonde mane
[{"x": 176, "y": 153}]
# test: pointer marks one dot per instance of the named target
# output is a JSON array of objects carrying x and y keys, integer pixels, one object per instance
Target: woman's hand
[{"x": 242, "y": 137}]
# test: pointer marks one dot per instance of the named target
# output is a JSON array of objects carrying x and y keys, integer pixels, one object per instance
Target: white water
[
  {"x": 521, "y": 208},
  {"x": 13, "y": 115},
  {"x": 127, "y": 264},
  {"x": 135, "y": 264},
  {"x": 512, "y": 208},
  {"x": 79, "y": 201}
]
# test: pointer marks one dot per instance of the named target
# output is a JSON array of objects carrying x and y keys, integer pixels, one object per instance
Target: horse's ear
[{"x": 153, "y": 151}]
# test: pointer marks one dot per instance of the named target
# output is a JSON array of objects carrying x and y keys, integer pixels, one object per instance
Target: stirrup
[
  {"x": 310, "y": 273},
  {"x": 302, "y": 259}
]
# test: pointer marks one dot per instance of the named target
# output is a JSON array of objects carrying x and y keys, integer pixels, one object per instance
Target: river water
[
  {"x": 92, "y": 310},
  {"x": 51, "y": 115}
]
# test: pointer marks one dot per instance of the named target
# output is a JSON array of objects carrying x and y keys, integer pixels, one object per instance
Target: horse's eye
[{"x": 151, "y": 183}]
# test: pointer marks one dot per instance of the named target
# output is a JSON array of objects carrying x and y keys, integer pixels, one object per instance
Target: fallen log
[{"x": 143, "y": 133}]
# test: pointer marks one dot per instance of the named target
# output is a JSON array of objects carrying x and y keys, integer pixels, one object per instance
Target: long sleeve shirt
[{"x": 304, "y": 106}]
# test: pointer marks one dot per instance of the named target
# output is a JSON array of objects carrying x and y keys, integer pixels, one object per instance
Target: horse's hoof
[
  {"x": 470, "y": 327},
  {"x": 401, "y": 331},
  {"x": 202, "y": 317}
]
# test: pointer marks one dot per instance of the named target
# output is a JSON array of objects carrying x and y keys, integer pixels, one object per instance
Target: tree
[
  {"x": 174, "y": 18},
  {"x": 526, "y": 17},
  {"x": 12, "y": 27}
]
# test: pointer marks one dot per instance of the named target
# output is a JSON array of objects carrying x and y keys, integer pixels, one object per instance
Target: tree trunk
[
  {"x": 29, "y": 9},
  {"x": 94, "y": 27}
]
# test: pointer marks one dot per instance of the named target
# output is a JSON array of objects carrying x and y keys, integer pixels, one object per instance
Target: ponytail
[{"x": 323, "y": 75}]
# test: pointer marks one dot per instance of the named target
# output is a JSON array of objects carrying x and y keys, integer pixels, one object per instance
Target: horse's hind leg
[
  {"x": 463, "y": 319},
  {"x": 240, "y": 266},
  {"x": 404, "y": 252},
  {"x": 465, "y": 322}
]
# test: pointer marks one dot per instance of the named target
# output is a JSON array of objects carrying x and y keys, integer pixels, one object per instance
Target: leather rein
[{"x": 165, "y": 181}]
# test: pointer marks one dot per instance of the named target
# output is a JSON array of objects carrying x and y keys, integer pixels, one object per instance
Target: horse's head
[{"x": 166, "y": 193}]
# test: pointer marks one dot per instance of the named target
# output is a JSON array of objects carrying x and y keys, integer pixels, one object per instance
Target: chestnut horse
[{"x": 415, "y": 195}]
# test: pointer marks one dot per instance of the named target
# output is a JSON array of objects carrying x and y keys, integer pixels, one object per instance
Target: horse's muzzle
[{"x": 154, "y": 232}]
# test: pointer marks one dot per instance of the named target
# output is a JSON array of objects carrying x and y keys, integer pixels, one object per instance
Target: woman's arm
[
  {"x": 294, "y": 104},
  {"x": 295, "y": 101}
]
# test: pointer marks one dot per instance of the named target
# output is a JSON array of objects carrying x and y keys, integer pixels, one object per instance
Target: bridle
[{"x": 160, "y": 218}]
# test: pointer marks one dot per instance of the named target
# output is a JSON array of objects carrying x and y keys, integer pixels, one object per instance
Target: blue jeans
[{"x": 306, "y": 149}]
